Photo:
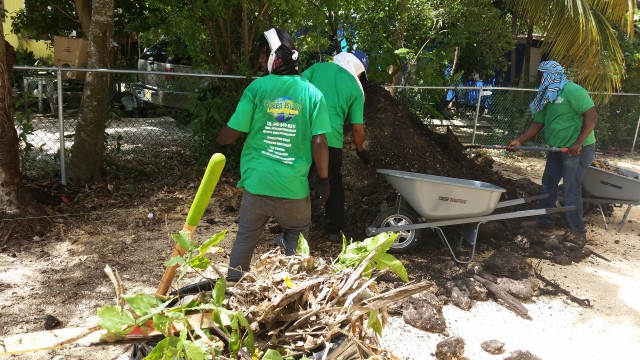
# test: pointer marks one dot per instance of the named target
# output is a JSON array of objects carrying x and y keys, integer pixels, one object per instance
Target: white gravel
[{"x": 559, "y": 329}]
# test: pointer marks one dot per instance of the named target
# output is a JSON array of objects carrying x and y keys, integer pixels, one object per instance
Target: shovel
[
  {"x": 538, "y": 148},
  {"x": 200, "y": 202}
]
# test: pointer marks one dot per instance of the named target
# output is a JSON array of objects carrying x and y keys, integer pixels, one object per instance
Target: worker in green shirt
[
  {"x": 568, "y": 116},
  {"x": 285, "y": 118},
  {"x": 340, "y": 83}
]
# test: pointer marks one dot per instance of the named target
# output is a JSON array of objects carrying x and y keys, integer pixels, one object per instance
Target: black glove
[
  {"x": 364, "y": 156},
  {"x": 216, "y": 147},
  {"x": 322, "y": 191}
]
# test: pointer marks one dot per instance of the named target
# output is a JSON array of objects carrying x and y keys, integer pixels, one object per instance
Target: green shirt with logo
[
  {"x": 563, "y": 119},
  {"x": 280, "y": 114},
  {"x": 343, "y": 95}
]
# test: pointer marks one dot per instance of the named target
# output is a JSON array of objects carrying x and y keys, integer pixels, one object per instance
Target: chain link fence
[
  {"x": 136, "y": 125},
  {"x": 497, "y": 115},
  {"x": 477, "y": 115}
]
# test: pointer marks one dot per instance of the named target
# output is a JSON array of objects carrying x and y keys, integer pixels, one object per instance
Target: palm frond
[{"x": 578, "y": 34}]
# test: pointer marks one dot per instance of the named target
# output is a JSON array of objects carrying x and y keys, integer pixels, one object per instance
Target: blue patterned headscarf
[{"x": 553, "y": 80}]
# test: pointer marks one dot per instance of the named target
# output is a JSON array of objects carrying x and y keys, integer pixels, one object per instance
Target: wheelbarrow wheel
[{"x": 407, "y": 239}]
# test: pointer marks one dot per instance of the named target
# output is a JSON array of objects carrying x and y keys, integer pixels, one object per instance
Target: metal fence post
[
  {"x": 63, "y": 173},
  {"x": 635, "y": 137},
  {"x": 475, "y": 121},
  {"x": 40, "y": 97}
]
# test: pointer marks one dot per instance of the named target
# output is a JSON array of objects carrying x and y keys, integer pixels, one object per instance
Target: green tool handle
[
  {"x": 207, "y": 185},
  {"x": 199, "y": 204}
]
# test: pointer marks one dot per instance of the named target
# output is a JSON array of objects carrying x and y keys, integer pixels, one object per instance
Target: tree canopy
[
  {"x": 583, "y": 36},
  {"x": 412, "y": 40}
]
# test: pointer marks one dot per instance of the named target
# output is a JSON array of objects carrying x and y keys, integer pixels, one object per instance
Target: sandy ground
[{"x": 559, "y": 329}]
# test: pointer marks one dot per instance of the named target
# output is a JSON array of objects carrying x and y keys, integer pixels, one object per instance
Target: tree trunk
[
  {"x": 89, "y": 145},
  {"x": 396, "y": 71},
  {"x": 527, "y": 58},
  {"x": 14, "y": 197},
  {"x": 514, "y": 57}
]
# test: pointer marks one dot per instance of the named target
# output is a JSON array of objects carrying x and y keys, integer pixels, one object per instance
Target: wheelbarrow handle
[{"x": 538, "y": 148}]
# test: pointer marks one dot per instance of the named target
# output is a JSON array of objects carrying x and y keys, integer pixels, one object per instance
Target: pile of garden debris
[{"x": 300, "y": 305}]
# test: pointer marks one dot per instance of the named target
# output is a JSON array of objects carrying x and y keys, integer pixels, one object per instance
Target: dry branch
[
  {"x": 558, "y": 289},
  {"x": 509, "y": 301}
]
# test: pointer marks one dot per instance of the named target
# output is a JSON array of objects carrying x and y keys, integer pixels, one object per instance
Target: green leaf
[
  {"x": 249, "y": 341},
  {"x": 163, "y": 324},
  {"x": 373, "y": 321},
  {"x": 168, "y": 348},
  {"x": 182, "y": 238},
  {"x": 271, "y": 354},
  {"x": 383, "y": 261},
  {"x": 213, "y": 241},
  {"x": 219, "y": 290},
  {"x": 194, "y": 351},
  {"x": 303, "y": 246},
  {"x": 142, "y": 304},
  {"x": 176, "y": 260},
  {"x": 199, "y": 262},
  {"x": 404, "y": 52},
  {"x": 114, "y": 319}
]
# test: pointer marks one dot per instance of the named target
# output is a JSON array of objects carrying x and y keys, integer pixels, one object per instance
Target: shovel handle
[
  {"x": 198, "y": 206},
  {"x": 539, "y": 148}
]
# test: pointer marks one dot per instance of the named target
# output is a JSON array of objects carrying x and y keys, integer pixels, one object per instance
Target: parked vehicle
[{"x": 169, "y": 56}]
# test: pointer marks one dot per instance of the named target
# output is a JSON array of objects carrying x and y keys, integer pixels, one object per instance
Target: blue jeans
[
  {"x": 255, "y": 211},
  {"x": 571, "y": 170}
]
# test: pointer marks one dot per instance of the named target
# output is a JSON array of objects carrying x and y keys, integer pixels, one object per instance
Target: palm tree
[{"x": 582, "y": 36}]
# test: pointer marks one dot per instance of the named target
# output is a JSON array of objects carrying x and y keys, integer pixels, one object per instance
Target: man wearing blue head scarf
[{"x": 566, "y": 113}]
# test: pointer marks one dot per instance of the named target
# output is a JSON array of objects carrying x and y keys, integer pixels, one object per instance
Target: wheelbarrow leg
[
  {"x": 604, "y": 219},
  {"x": 469, "y": 233},
  {"x": 624, "y": 218}
]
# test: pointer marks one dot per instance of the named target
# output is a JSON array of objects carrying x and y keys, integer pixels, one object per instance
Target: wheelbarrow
[
  {"x": 606, "y": 187},
  {"x": 434, "y": 202}
]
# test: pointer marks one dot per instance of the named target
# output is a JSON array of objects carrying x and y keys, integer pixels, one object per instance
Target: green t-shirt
[
  {"x": 280, "y": 114},
  {"x": 563, "y": 119},
  {"x": 343, "y": 96}
]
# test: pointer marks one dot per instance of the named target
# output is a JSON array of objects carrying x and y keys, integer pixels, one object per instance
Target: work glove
[
  {"x": 364, "y": 156},
  {"x": 322, "y": 191},
  {"x": 216, "y": 147}
]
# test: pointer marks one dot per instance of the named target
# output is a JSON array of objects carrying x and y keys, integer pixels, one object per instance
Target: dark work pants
[
  {"x": 255, "y": 211},
  {"x": 334, "y": 209}
]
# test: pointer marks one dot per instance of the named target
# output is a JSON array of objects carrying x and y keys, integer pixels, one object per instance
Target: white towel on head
[{"x": 352, "y": 64}]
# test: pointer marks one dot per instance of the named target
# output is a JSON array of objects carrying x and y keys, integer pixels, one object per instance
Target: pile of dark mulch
[{"x": 398, "y": 140}]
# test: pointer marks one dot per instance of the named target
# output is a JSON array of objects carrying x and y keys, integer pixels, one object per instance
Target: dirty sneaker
[
  {"x": 577, "y": 238},
  {"x": 279, "y": 240},
  {"x": 536, "y": 225}
]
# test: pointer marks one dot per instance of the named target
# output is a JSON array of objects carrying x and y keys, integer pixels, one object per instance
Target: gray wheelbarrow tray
[
  {"x": 438, "y": 201},
  {"x": 606, "y": 187}
]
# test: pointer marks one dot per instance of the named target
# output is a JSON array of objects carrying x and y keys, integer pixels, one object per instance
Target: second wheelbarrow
[
  {"x": 436, "y": 201},
  {"x": 601, "y": 186}
]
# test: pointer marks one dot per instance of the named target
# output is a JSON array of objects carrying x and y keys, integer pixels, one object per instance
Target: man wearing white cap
[{"x": 340, "y": 83}]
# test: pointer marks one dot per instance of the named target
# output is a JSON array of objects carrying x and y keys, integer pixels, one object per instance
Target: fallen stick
[
  {"x": 509, "y": 301},
  {"x": 600, "y": 256},
  {"x": 85, "y": 336},
  {"x": 582, "y": 302}
]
